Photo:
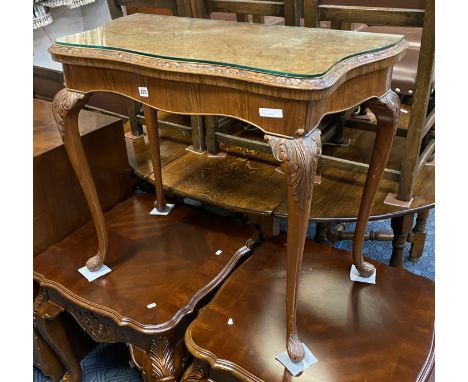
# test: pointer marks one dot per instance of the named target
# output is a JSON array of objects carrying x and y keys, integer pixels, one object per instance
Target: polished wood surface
[
  {"x": 172, "y": 146},
  {"x": 59, "y": 206},
  {"x": 148, "y": 259},
  {"x": 242, "y": 181},
  {"x": 197, "y": 88},
  {"x": 180, "y": 38},
  {"x": 163, "y": 268},
  {"x": 357, "y": 331},
  {"x": 261, "y": 188}
]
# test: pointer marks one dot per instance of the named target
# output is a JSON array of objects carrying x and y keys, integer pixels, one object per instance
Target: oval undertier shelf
[{"x": 251, "y": 182}]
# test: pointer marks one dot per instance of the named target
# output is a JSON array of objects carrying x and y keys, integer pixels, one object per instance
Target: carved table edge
[
  {"x": 238, "y": 371},
  {"x": 152, "y": 328},
  {"x": 327, "y": 80},
  {"x": 214, "y": 361},
  {"x": 429, "y": 363}
]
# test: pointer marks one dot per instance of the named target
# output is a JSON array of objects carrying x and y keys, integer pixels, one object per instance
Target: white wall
[{"x": 67, "y": 21}]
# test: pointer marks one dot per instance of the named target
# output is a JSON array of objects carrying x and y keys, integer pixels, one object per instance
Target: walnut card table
[{"x": 281, "y": 79}]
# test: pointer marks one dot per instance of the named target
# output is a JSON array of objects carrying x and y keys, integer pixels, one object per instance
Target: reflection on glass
[{"x": 288, "y": 51}]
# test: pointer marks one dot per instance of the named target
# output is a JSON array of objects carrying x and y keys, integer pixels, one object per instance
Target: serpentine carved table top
[{"x": 281, "y": 79}]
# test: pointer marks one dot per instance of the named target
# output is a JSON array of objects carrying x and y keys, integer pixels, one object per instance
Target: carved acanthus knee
[
  {"x": 65, "y": 101},
  {"x": 43, "y": 308},
  {"x": 194, "y": 373},
  {"x": 299, "y": 158},
  {"x": 161, "y": 355}
]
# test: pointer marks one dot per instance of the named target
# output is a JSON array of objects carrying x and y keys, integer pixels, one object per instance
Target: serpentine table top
[{"x": 236, "y": 55}]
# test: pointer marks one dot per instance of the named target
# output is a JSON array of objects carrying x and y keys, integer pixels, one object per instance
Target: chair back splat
[{"x": 257, "y": 9}]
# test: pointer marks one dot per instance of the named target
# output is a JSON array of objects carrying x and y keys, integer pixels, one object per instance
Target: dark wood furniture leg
[
  {"x": 418, "y": 235},
  {"x": 401, "y": 228},
  {"x": 48, "y": 323},
  {"x": 133, "y": 108},
  {"x": 387, "y": 112},
  {"x": 195, "y": 372},
  {"x": 160, "y": 363},
  {"x": 212, "y": 125},
  {"x": 198, "y": 133},
  {"x": 66, "y": 107},
  {"x": 49, "y": 363},
  {"x": 151, "y": 119},
  {"x": 321, "y": 234},
  {"x": 299, "y": 158}
]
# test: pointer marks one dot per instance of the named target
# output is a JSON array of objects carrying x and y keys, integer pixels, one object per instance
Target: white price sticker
[
  {"x": 270, "y": 113},
  {"x": 143, "y": 91}
]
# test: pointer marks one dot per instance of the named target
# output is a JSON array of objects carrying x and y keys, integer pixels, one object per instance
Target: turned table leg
[
  {"x": 151, "y": 119},
  {"x": 419, "y": 235},
  {"x": 387, "y": 112},
  {"x": 401, "y": 227},
  {"x": 298, "y": 157},
  {"x": 66, "y": 107}
]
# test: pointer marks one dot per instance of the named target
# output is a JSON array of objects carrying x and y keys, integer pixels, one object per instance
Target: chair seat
[
  {"x": 167, "y": 260},
  {"x": 357, "y": 331},
  {"x": 405, "y": 70}
]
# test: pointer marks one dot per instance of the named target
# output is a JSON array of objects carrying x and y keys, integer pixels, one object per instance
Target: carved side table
[
  {"x": 162, "y": 270},
  {"x": 281, "y": 79},
  {"x": 357, "y": 331}
]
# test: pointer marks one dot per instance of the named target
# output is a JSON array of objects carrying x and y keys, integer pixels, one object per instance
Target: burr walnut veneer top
[{"x": 280, "y": 50}]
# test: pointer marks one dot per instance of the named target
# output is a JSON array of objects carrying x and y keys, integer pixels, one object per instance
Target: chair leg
[
  {"x": 212, "y": 124},
  {"x": 321, "y": 234},
  {"x": 133, "y": 108},
  {"x": 338, "y": 137},
  {"x": 401, "y": 227},
  {"x": 197, "y": 124},
  {"x": 269, "y": 226},
  {"x": 419, "y": 235}
]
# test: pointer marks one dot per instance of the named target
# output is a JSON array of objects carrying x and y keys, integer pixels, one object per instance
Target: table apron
[{"x": 203, "y": 99}]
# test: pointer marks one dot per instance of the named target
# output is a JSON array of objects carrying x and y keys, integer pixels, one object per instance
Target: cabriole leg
[
  {"x": 66, "y": 107},
  {"x": 299, "y": 158},
  {"x": 387, "y": 112}
]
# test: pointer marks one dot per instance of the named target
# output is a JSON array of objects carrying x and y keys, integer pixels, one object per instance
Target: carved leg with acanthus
[
  {"x": 194, "y": 373},
  {"x": 299, "y": 158},
  {"x": 161, "y": 362},
  {"x": 387, "y": 112},
  {"x": 66, "y": 107},
  {"x": 48, "y": 323}
]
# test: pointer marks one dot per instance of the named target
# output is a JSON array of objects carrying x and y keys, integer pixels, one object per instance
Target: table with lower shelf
[{"x": 283, "y": 80}]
